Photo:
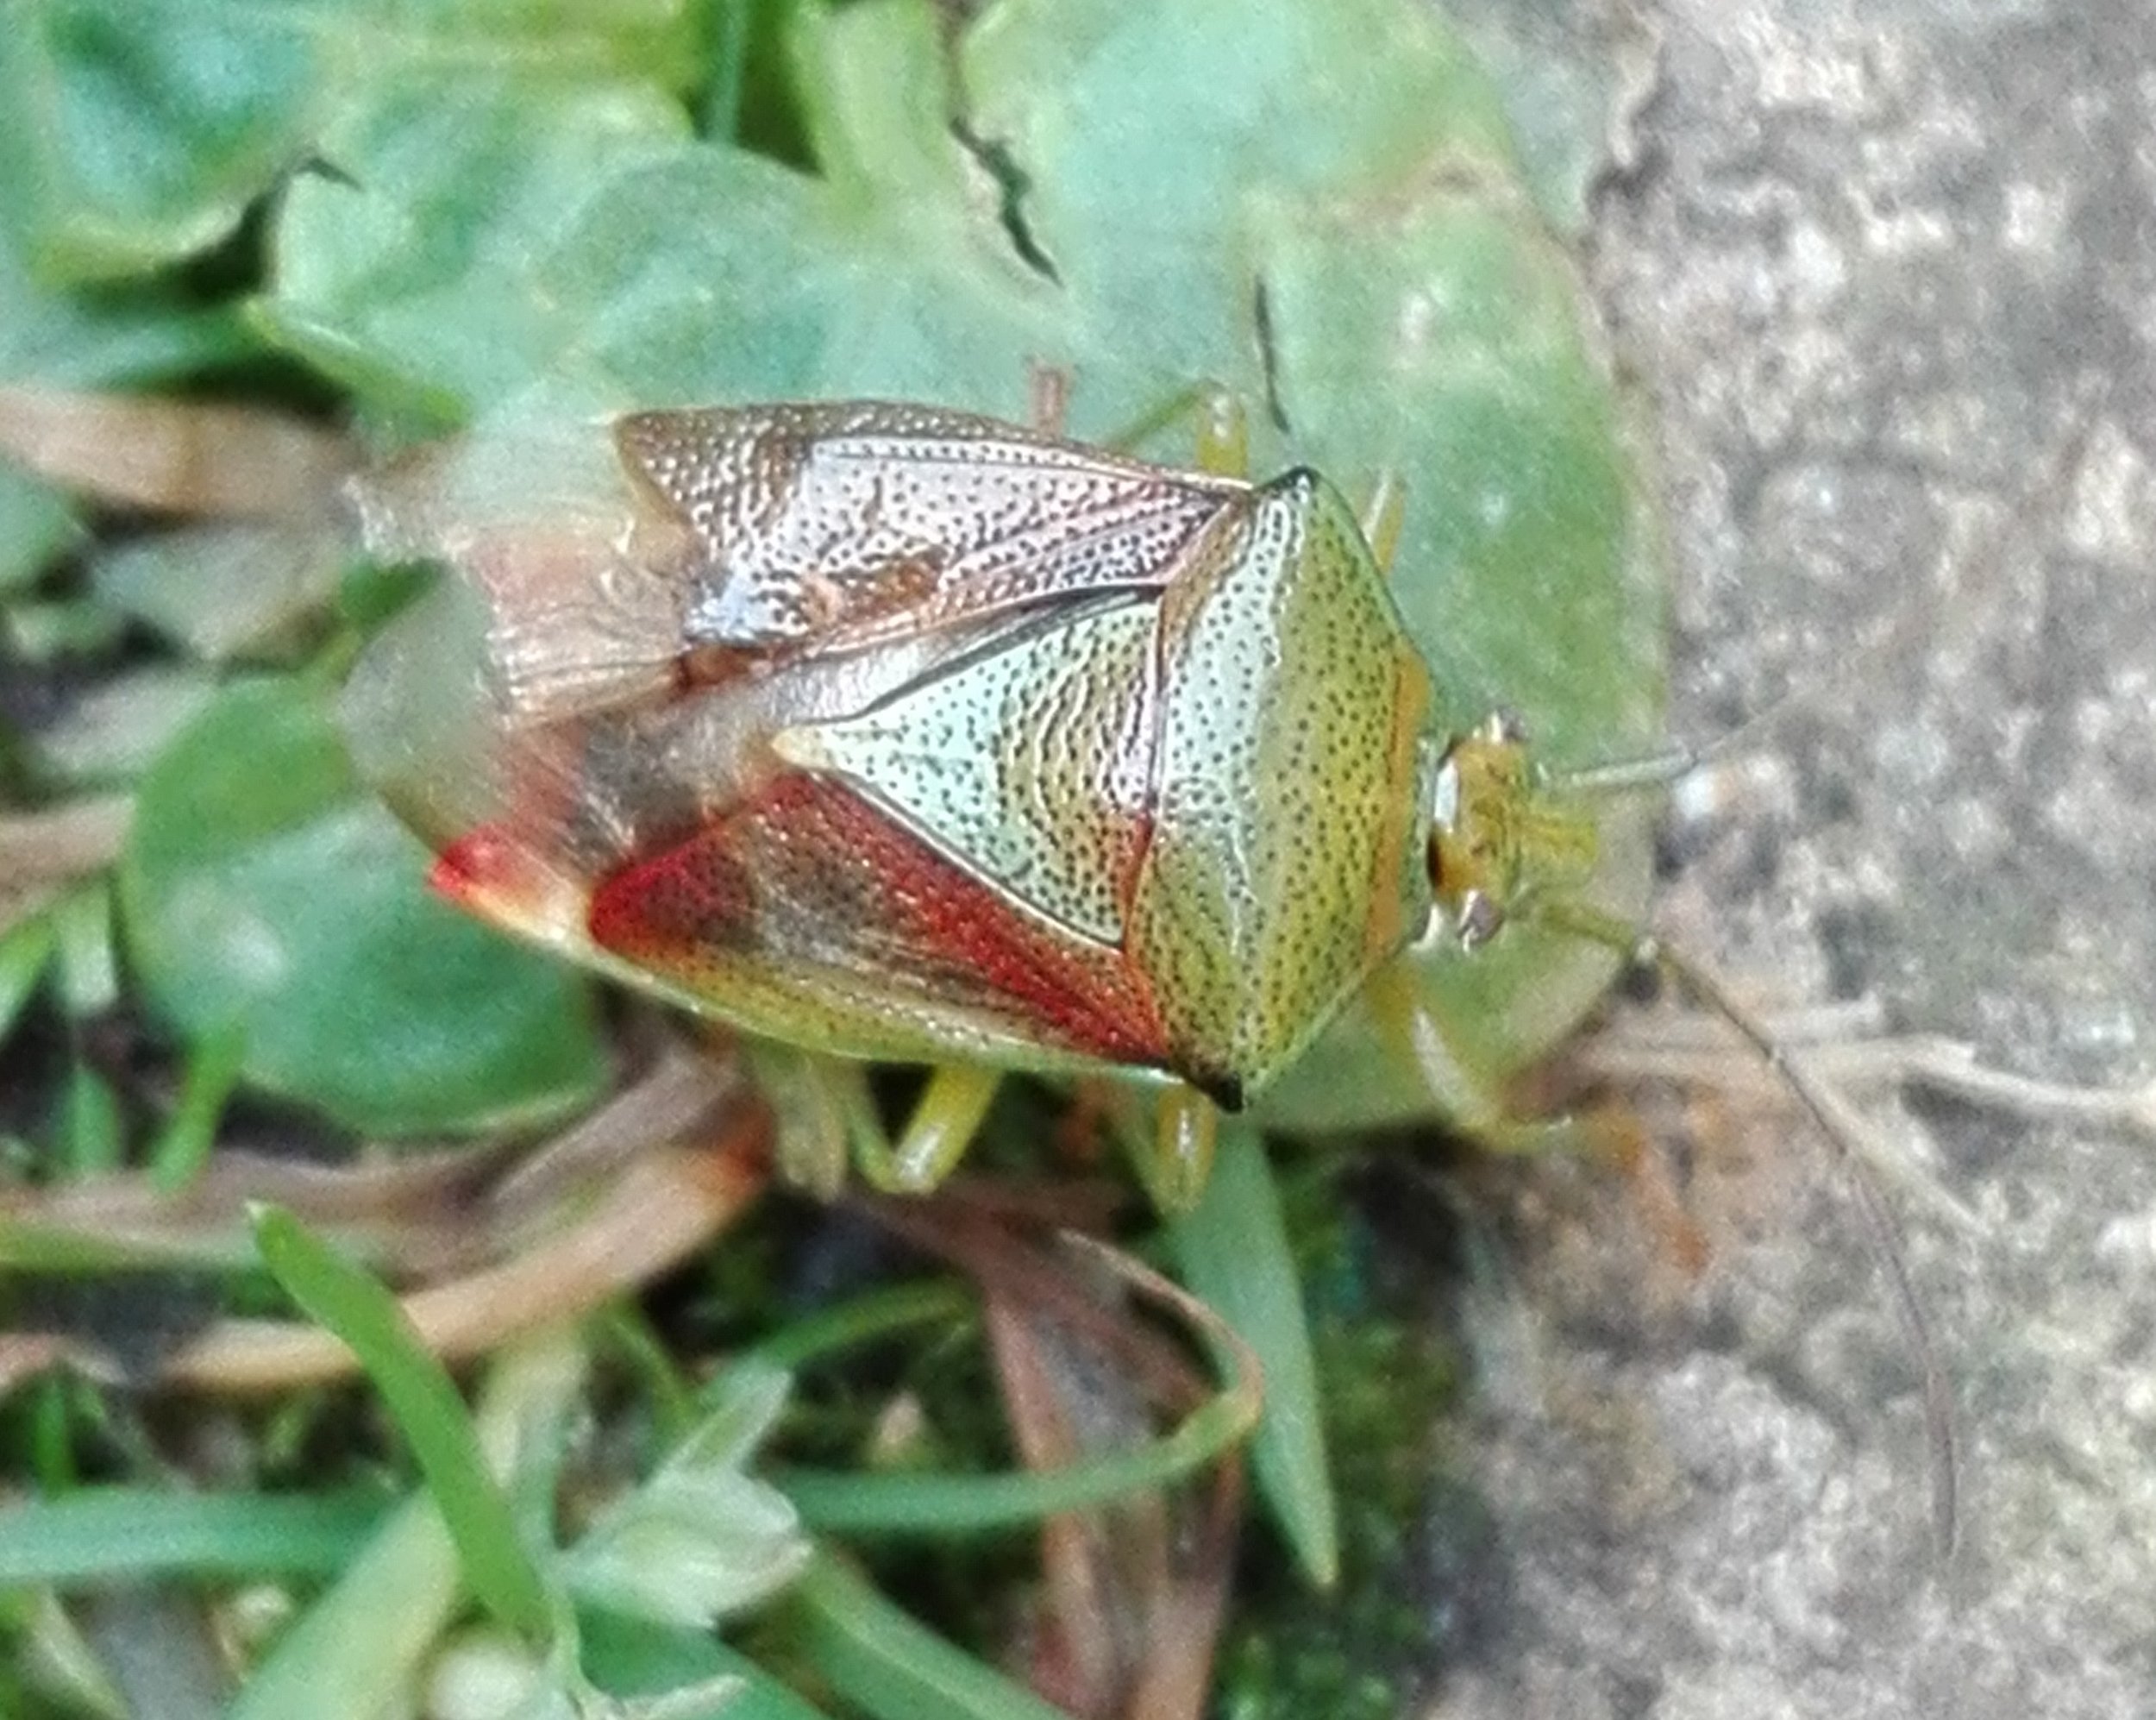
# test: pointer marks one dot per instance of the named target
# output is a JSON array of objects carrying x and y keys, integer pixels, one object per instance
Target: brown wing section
[{"x": 835, "y": 525}]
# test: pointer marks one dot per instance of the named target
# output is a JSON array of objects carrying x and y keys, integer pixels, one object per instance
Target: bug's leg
[
  {"x": 1223, "y": 428},
  {"x": 1849, "y": 1048},
  {"x": 945, "y": 1119},
  {"x": 1046, "y": 397},
  {"x": 1383, "y": 515},
  {"x": 1945, "y": 1065},
  {"x": 1471, "y": 1104},
  {"x": 1223, "y": 434},
  {"x": 818, "y": 1108},
  {"x": 1185, "y": 1124}
]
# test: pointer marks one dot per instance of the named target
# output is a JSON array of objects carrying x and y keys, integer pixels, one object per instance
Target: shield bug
[{"x": 896, "y": 732}]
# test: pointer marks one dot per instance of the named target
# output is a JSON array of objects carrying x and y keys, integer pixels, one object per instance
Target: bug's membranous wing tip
[{"x": 583, "y": 573}]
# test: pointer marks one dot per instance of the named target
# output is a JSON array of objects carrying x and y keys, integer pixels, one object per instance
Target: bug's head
[{"x": 1498, "y": 834}]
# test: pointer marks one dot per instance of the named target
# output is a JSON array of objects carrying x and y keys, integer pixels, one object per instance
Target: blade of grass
[
  {"x": 182, "y": 1147},
  {"x": 24, "y": 950},
  {"x": 355, "y": 1652},
  {"x": 421, "y": 1396},
  {"x": 729, "y": 64},
  {"x": 949, "y": 1506},
  {"x": 51, "y": 1434},
  {"x": 366, "y": 1636},
  {"x": 946, "y": 1505},
  {"x": 103, "y": 1535},
  {"x": 1233, "y": 1250},
  {"x": 93, "y": 1135},
  {"x": 860, "y": 1322},
  {"x": 88, "y": 972},
  {"x": 892, "y": 1665}
]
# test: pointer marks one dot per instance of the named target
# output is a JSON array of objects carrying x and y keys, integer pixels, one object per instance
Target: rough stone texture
[{"x": 1874, "y": 262}]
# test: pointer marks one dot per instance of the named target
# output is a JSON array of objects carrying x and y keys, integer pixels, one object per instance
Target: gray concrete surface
[{"x": 1873, "y": 261}]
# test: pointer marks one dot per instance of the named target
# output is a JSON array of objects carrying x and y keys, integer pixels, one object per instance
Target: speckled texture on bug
[
  {"x": 1042, "y": 755},
  {"x": 808, "y": 513},
  {"x": 1034, "y": 761},
  {"x": 1286, "y": 855}
]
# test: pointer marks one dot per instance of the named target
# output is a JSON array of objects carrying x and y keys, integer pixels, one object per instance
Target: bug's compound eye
[
  {"x": 1497, "y": 835},
  {"x": 1474, "y": 836},
  {"x": 1502, "y": 728},
  {"x": 1480, "y": 918}
]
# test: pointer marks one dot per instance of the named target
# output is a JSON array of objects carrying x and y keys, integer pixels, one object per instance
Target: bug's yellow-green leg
[
  {"x": 945, "y": 1119},
  {"x": 1223, "y": 434},
  {"x": 1382, "y": 515},
  {"x": 1467, "y": 1101},
  {"x": 1185, "y": 1124},
  {"x": 1216, "y": 410},
  {"x": 1168, "y": 1136}
]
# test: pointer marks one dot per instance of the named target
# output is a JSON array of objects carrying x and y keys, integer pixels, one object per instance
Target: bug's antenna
[
  {"x": 1882, "y": 1231},
  {"x": 2037, "y": 503}
]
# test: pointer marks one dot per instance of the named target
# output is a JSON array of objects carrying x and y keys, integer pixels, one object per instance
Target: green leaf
[
  {"x": 225, "y": 591},
  {"x": 1233, "y": 1250},
  {"x": 385, "y": 277},
  {"x": 1157, "y": 142},
  {"x": 264, "y": 891},
  {"x": 144, "y": 128},
  {"x": 881, "y": 1659},
  {"x": 115, "y": 726},
  {"x": 60, "y": 340},
  {"x": 577, "y": 244},
  {"x": 51, "y": 634},
  {"x": 93, "y": 1135},
  {"x": 183, "y": 1146},
  {"x": 88, "y": 340},
  {"x": 35, "y": 526},
  {"x": 25, "y": 949},
  {"x": 429, "y": 1412}
]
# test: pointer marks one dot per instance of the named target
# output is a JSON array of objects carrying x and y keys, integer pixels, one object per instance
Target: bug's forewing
[
  {"x": 831, "y": 526},
  {"x": 705, "y": 543},
  {"x": 937, "y": 862},
  {"x": 691, "y": 846}
]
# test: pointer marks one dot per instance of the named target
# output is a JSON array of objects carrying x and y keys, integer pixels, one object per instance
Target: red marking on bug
[
  {"x": 473, "y": 868},
  {"x": 495, "y": 873},
  {"x": 690, "y": 897},
  {"x": 809, "y": 874}
]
